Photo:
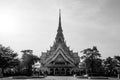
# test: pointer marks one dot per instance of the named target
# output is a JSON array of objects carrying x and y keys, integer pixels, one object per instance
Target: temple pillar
[
  {"x": 54, "y": 71},
  {"x": 65, "y": 70}
]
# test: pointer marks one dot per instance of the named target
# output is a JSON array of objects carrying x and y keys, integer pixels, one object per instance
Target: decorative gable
[{"x": 59, "y": 58}]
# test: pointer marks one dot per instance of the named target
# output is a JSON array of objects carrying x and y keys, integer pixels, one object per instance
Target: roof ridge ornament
[
  {"x": 59, "y": 37},
  {"x": 59, "y": 25}
]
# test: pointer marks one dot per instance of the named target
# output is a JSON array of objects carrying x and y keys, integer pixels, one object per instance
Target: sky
[{"x": 32, "y": 24}]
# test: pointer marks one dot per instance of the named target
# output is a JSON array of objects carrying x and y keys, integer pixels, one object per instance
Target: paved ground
[{"x": 57, "y": 78}]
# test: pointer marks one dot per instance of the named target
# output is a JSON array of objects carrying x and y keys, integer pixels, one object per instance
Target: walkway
[{"x": 57, "y": 78}]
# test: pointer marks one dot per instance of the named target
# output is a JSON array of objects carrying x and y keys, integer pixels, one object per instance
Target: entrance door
[
  {"x": 60, "y": 72},
  {"x": 57, "y": 72}
]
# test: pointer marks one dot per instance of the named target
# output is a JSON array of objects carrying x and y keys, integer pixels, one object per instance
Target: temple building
[{"x": 60, "y": 60}]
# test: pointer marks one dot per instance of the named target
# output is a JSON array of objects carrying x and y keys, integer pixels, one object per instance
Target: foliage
[
  {"x": 110, "y": 66},
  {"x": 28, "y": 59},
  {"x": 8, "y": 58},
  {"x": 117, "y": 58},
  {"x": 91, "y": 57}
]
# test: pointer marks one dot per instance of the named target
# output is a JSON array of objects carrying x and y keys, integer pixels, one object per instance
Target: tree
[
  {"x": 110, "y": 66},
  {"x": 91, "y": 57},
  {"x": 8, "y": 58},
  {"x": 117, "y": 58},
  {"x": 28, "y": 59}
]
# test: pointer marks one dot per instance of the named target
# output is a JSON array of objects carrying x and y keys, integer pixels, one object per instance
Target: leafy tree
[
  {"x": 117, "y": 58},
  {"x": 110, "y": 66},
  {"x": 91, "y": 57},
  {"x": 28, "y": 59},
  {"x": 8, "y": 58}
]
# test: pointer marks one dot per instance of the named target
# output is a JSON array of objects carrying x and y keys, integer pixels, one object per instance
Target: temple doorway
[{"x": 60, "y": 72}]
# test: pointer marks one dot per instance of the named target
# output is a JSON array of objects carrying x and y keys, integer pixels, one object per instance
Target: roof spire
[
  {"x": 59, "y": 36},
  {"x": 59, "y": 25}
]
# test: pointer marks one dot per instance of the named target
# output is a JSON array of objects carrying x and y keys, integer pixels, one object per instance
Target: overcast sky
[{"x": 32, "y": 24}]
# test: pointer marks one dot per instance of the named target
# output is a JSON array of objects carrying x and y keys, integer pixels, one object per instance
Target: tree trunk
[
  {"x": 1, "y": 72},
  {"x": 29, "y": 70},
  {"x": 118, "y": 76}
]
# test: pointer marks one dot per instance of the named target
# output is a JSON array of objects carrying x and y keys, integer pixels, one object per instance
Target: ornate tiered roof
[{"x": 60, "y": 51}]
